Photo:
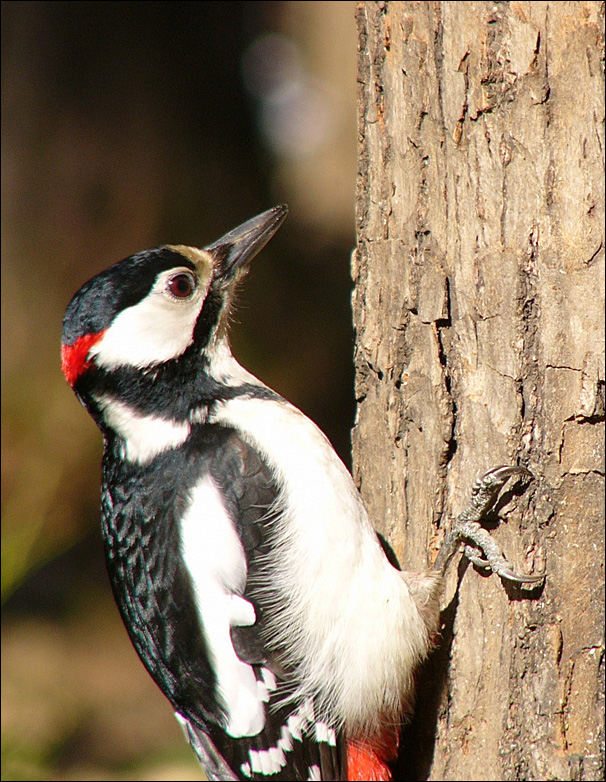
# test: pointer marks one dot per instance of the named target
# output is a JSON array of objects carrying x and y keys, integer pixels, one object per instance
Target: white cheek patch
[
  {"x": 215, "y": 559},
  {"x": 156, "y": 329}
]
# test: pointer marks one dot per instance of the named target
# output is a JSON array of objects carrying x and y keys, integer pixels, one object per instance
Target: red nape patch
[
  {"x": 74, "y": 357},
  {"x": 368, "y": 762}
]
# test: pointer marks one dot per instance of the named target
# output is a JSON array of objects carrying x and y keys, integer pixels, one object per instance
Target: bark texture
[{"x": 479, "y": 310}]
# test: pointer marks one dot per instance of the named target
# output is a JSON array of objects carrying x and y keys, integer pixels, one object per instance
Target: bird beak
[{"x": 233, "y": 251}]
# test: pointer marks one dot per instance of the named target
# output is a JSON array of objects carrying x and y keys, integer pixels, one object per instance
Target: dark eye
[{"x": 181, "y": 285}]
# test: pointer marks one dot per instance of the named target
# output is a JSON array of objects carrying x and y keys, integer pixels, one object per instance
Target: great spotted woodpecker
[{"x": 241, "y": 557}]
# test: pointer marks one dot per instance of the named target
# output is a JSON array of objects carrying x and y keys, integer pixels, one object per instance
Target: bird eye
[{"x": 181, "y": 285}]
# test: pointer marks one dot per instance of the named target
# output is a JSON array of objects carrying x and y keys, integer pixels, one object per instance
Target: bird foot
[{"x": 480, "y": 548}]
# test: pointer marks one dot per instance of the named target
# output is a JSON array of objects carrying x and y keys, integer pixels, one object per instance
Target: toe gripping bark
[{"x": 467, "y": 528}]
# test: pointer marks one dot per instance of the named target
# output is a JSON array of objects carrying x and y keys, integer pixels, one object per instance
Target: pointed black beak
[{"x": 234, "y": 250}]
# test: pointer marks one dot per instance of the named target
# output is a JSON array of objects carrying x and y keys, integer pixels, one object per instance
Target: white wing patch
[
  {"x": 215, "y": 559},
  {"x": 267, "y": 686},
  {"x": 299, "y": 723},
  {"x": 325, "y": 733},
  {"x": 269, "y": 679}
]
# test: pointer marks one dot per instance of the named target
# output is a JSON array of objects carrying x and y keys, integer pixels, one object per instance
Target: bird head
[{"x": 158, "y": 305}]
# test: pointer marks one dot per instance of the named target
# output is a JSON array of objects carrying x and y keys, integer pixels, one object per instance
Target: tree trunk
[{"x": 479, "y": 309}]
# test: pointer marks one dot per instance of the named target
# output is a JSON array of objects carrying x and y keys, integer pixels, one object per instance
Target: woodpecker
[{"x": 241, "y": 557}]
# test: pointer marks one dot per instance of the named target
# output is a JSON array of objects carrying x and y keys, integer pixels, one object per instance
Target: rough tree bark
[{"x": 479, "y": 307}]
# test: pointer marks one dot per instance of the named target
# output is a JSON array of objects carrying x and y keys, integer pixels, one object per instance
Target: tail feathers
[
  {"x": 291, "y": 748},
  {"x": 211, "y": 760}
]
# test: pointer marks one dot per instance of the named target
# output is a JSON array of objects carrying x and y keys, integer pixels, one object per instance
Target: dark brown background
[{"x": 127, "y": 125}]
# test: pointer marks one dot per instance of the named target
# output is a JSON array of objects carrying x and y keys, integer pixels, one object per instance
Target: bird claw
[
  {"x": 518, "y": 578},
  {"x": 467, "y": 527},
  {"x": 499, "y": 565},
  {"x": 485, "y": 489}
]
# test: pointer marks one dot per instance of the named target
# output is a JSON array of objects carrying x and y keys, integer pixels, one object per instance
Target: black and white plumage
[{"x": 240, "y": 554}]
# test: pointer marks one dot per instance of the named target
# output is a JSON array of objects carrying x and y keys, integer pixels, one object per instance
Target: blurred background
[{"x": 127, "y": 125}]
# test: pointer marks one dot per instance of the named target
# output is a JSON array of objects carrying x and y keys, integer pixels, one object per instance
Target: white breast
[{"x": 346, "y": 616}]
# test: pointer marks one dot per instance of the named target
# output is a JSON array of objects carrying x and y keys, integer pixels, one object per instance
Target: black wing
[{"x": 156, "y": 598}]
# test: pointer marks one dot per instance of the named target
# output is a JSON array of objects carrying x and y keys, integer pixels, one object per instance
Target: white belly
[{"x": 346, "y": 617}]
